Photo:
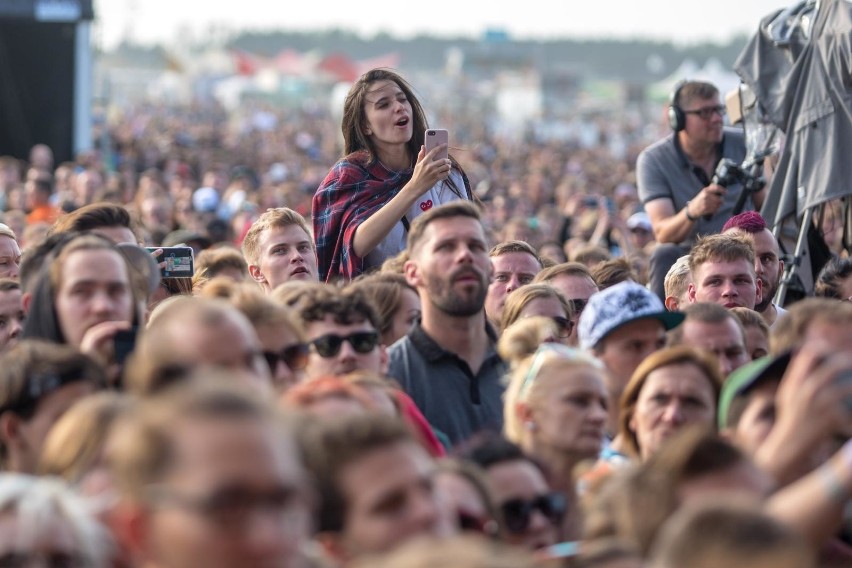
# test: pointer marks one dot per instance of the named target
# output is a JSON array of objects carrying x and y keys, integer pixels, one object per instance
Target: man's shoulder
[{"x": 663, "y": 146}]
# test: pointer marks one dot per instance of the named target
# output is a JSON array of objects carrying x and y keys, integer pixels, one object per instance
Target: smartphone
[
  {"x": 436, "y": 137},
  {"x": 124, "y": 341},
  {"x": 176, "y": 262}
]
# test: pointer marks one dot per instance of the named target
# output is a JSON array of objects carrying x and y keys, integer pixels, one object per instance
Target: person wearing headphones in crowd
[{"x": 675, "y": 176}]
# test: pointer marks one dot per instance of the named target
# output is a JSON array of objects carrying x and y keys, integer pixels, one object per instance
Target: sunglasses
[
  {"x": 518, "y": 512},
  {"x": 564, "y": 326},
  {"x": 707, "y": 113},
  {"x": 294, "y": 356},
  {"x": 361, "y": 341}
]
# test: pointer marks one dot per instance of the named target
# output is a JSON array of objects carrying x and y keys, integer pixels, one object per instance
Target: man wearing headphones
[{"x": 675, "y": 176}]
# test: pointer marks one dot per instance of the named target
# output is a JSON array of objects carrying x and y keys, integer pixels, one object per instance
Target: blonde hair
[
  {"x": 518, "y": 300},
  {"x": 258, "y": 307},
  {"x": 524, "y": 383},
  {"x": 272, "y": 219},
  {"x": 74, "y": 444}
]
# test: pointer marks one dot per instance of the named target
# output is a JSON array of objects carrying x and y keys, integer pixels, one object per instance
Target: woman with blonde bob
[
  {"x": 539, "y": 300},
  {"x": 671, "y": 389},
  {"x": 555, "y": 406}
]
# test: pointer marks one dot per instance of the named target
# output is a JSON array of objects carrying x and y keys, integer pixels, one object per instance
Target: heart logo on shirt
[{"x": 426, "y": 205}]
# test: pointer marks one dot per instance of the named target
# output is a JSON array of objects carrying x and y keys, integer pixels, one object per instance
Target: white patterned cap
[{"x": 619, "y": 305}]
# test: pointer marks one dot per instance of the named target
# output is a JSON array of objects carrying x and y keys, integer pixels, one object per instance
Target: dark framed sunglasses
[
  {"x": 294, "y": 356},
  {"x": 517, "y": 512},
  {"x": 578, "y": 305},
  {"x": 564, "y": 326},
  {"x": 707, "y": 113},
  {"x": 361, "y": 341}
]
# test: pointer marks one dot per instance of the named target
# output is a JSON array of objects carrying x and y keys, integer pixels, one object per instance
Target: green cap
[{"x": 743, "y": 379}]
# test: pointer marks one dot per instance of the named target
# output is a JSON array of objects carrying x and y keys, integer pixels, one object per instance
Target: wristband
[{"x": 686, "y": 212}]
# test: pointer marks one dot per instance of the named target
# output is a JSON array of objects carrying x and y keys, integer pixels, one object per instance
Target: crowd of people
[{"x": 501, "y": 357}]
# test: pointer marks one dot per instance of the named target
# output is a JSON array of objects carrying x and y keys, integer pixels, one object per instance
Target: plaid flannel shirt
[{"x": 354, "y": 189}]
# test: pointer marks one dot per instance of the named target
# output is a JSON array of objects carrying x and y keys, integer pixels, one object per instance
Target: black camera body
[{"x": 728, "y": 172}]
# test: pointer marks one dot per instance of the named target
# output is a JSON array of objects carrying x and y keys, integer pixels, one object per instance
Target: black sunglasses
[
  {"x": 361, "y": 341},
  {"x": 563, "y": 326},
  {"x": 517, "y": 512},
  {"x": 294, "y": 356},
  {"x": 578, "y": 305}
]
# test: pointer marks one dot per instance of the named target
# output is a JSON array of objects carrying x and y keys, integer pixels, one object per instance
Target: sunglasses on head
[
  {"x": 518, "y": 512},
  {"x": 294, "y": 356},
  {"x": 361, "y": 341}
]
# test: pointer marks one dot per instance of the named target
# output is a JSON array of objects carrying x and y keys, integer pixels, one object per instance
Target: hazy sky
[{"x": 684, "y": 21}]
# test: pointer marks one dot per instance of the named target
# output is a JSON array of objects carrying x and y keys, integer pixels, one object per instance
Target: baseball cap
[
  {"x": 619, "y": 305},
  {"x": 745, "y": 378},
  {"x": 639, "y": 220}
]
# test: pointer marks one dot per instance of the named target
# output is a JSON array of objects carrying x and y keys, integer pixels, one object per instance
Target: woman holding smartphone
[{"x": 364, "y": 206}]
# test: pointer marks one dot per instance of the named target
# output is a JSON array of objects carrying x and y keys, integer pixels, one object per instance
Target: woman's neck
[{"x": 395, "y": 158}]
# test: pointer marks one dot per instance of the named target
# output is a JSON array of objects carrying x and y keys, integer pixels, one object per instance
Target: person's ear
[
  {"x": 27, "y": 299},
  {"x": 671, "y": 303},
  {"x": 256, "y": 274},
  {"x": 411, "y": 272},
  {"x": 690, "y": 292},
  {"x": 10, "y": 430},
  {"x": 758, "y": 295}
]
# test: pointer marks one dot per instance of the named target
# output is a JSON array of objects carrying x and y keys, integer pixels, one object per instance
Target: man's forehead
[
  {"x": 286, "y": 234},
  {"x": 515, "y": 261},
  {"x": 454, "y": 227},
  {"x": 725, "y": 267},
  {"x": 698, "y": 331}
]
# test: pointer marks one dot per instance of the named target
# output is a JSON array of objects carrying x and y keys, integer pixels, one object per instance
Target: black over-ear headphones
[{"x": 677, "y": 119}]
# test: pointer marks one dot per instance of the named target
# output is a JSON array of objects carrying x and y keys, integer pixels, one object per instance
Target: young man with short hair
[
  {"x": 341, "y": 326},
  {"x": 722, "y": 268},
  {"x": 515, "y": 263},
  {"x": 278, "y": 247}
]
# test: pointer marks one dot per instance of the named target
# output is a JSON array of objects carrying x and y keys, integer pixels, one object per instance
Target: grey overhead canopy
[{"x": 799, "y": 65}]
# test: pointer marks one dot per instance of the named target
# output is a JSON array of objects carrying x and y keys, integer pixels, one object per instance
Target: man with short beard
[
  {"x": 448, "y": 363},
  {"x": 767, "y": 260}
]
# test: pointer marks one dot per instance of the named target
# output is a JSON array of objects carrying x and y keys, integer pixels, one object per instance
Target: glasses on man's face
[
  {"x": 564, "y": 326},
  {"x": 707, "y": 113},
  {"x": 361, "y": 341},
  {"x": 294, "y": 356},
  {"x": 47, "y": 559},
  {"x": 518, "y": 512},
  {"x": 232, "y": 508}
]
